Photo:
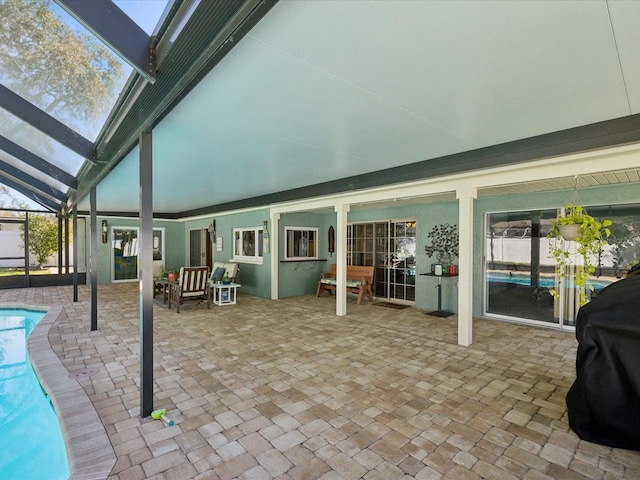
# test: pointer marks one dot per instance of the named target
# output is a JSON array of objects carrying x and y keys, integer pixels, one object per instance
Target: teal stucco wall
[
  {"x": 301, "y": 278},
  {"x": 255, "y": 279}
]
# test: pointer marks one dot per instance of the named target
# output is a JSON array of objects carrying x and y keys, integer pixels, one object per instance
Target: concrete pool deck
[{"x": 286, "y": 389}]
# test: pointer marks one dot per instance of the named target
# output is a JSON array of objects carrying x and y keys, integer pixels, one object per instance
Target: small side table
[
  {"x": 440, "y": 312},
  {"x": 222, "y": 294},
  {"x": 161, "y": 285},
  {"x": 170, "y": 290}
]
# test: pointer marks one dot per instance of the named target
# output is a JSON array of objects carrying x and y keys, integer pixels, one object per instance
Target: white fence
[
  {"x": 11, "y": 245},
  {"x": 509, "y": 250}
]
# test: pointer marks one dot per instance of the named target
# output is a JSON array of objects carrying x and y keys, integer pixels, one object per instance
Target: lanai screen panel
[{"x": 54, "y": 63}]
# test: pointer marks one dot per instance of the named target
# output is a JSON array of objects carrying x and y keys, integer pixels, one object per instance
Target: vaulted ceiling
[{"x": 255, "y": 102}]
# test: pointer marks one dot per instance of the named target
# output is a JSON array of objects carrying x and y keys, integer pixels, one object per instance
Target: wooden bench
[{"x": 359, "y": 280}]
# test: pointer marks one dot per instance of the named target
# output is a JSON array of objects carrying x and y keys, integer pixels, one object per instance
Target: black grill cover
[{"x": 604, "y": 401}]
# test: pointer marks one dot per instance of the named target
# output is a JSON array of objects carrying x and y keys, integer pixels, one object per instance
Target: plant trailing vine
[
  {"x": 444, "y": 241},
  {"x": 591, "y": 237}
]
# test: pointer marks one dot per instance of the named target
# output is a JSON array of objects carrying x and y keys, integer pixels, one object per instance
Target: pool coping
[{"x": 89, "y": 451}]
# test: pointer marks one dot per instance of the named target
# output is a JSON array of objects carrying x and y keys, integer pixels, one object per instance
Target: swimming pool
[
  {"x": 546, "y": 281},
  {"x": 30, "y": 437}
]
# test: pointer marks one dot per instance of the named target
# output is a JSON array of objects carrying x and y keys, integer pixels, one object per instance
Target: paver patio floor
[{"x": 286, "y": 389}]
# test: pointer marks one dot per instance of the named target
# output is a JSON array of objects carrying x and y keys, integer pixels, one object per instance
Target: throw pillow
[{"x": 218, "y": 273}]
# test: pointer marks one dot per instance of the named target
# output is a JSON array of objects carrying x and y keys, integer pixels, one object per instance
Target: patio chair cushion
[
  {"x": 193, "y": 281},
  {"x": 231, "y": 270},
  {"x": 158, "y": 268},
  {"x": 333, "y": 281},
  {"x": 218, "y": 273}
]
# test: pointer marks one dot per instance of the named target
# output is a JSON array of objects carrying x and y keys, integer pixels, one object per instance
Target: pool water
[
  {"x": 31, "y": 443},
  {"x": 545, "y": 281}
]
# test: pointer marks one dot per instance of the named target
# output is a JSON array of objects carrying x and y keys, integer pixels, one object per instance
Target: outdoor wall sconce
[
  {"x": 212, "y": 230},
  {"x": 104, "y": 231},
  {"x": 265, "y": 237}
]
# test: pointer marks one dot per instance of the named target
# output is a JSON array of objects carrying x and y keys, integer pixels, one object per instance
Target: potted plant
[
  {"x": 444, "y": 243},
  {"x": 172, "y": 275},
  {"x": 590, "y": 236}
]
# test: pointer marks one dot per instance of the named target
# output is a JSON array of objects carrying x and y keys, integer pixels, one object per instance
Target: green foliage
[
  {"x": 625, "y": 243},
  {"x": 592, "y": 236},
  {"x": 43, "y": 237},
  {"x": 444, "y": 241},
  {"x": 69, "y": 75}
]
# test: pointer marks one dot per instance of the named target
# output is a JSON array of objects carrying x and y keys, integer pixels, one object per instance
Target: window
[
  {"x": 300, "y": 243},
  {"x": 247, "y": 245}
]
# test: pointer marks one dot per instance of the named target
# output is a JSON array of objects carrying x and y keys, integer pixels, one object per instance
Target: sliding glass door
[
  {"x": 520, "y": 275},
  {"x": 390, "y": 247}
]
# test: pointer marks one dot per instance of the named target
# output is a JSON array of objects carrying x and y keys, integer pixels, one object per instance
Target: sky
[{"x": 145, "y": 13}]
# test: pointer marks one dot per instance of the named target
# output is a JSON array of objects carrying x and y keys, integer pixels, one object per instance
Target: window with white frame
[
  {"x": 301, "y": 243},
  {"x": 247, "y": 245}
]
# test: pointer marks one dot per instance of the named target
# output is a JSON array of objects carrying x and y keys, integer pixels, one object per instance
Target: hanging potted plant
[
  {"x": 590, "y": 235},
  {"x": 444, "y": 243}
]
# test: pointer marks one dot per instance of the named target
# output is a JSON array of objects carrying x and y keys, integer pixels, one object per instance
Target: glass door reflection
[{"x": 124, "y": 248}]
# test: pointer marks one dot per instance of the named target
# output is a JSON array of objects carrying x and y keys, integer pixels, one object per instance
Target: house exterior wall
[
  {"x": 300, "y": 278},
  {"x": 174, "y": 243},
  {"x": 255, "y": 279}
]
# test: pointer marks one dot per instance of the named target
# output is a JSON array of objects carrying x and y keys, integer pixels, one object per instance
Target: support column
[
  {"x": 341, "y": 259},
  {"x": 94, "y": 259},
  {"x": 27, "y": 281},
  {"x": 465, "y": 198},
  {"x": 75, "y": 252},
  {"x": 275, "y": 226},
  {"x": 60, "y": 244},
  {"x": 535, "y": 250},
  {"x": 146, "y": 281},
  {"x": 66, "y": 244}
]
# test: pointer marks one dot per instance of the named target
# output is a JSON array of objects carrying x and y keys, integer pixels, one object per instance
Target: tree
[
  {"x": 9, "y": 200},
  {"x": 68, "y": 74},
  {"x": 43, "y": 237}
]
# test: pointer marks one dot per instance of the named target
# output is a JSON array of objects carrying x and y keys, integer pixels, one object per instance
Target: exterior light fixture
[
  {"x": 212, "y": 230},
  {"x": 265, "y": 237},
  {"x": 104, "y": 231}
]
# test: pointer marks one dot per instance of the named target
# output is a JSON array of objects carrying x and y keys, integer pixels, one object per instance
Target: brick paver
[{"x": 287, "y": 389}]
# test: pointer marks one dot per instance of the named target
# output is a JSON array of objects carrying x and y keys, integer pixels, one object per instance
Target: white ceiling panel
[
  {"x": 625, "y": 16},
  {"x": 464, "y": 66},
  {"x": 324, "y": 90}
]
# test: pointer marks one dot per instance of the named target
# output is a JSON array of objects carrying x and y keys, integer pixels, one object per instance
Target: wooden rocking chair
[{"x": 192, "y": 285}]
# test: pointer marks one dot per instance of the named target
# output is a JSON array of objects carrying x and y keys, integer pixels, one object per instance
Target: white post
[
  {"x": 275, "y": 224},
  {"x": 465, "y": 198},
  {"x": 341, "y": 259}
]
